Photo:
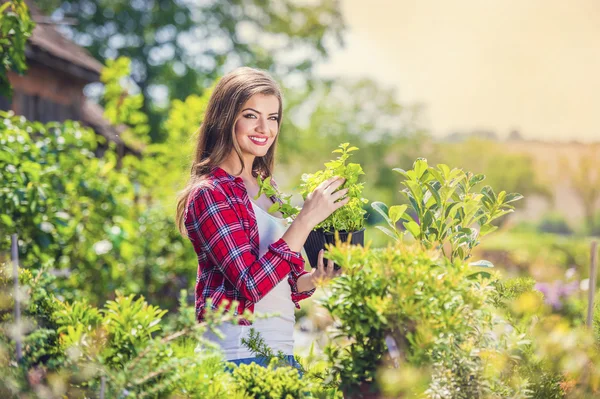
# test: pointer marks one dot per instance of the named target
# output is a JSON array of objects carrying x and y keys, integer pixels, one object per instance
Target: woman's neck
[{"x": 232, "y": 165}]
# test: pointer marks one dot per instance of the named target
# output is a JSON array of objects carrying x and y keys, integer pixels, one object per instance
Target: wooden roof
[{"x": 49, "y": 47}]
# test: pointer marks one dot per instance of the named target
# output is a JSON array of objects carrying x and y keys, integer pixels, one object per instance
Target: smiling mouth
[{"x": 258, "y": 140}]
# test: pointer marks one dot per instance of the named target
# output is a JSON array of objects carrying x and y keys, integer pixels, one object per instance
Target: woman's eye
[
  {"x": 249, "y": 116},
  {"x": 273, "y": 118}
]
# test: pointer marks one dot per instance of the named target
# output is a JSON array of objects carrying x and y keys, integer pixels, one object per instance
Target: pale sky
[{"x": 531, "y": 65}]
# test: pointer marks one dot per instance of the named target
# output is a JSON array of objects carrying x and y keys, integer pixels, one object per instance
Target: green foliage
[
  {"x": 78, "y": 215},
  {"x": 39, "y": 323},
  {"x": 15, "y": 28},
  {"x": 122, "y": 108},
  {"x": 161, "y": 39},
  {"x": 350, "y": 217},
  {"x": 446, "y": 210},
  {"x": 259, "y": 382},
  {"x": 286, "y": 208},
  {"x": 173, "y": 157},
  {"x": 436, "y": 316}
]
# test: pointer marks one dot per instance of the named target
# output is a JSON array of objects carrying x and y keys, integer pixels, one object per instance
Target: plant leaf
[
  {"x": 482, "y": 263},
  {"x": 413, "y": 228},
  {"x": 388, "y": 232},
  {"x": 396, "y": 212},
  {"x": 382, "y": 209},
  {"x": 512, "y": 197}
]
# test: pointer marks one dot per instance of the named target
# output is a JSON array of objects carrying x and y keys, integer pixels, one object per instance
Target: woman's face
[{"x": 256, "y": 127}]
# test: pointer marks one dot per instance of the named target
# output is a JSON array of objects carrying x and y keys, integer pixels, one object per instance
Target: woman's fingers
[
  {"x": 339, "y": 194},
  {"x": 326, "y": 183},
  {"x": 341, "y": 203},
  {"x": 334, "y": 185},
  {"x": 320, "y": 265}
]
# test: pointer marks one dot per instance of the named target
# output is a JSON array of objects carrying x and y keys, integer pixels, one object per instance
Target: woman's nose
[{"x": 263, "y": 126}]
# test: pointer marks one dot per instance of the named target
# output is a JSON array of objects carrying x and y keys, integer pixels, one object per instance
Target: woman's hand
[
  {"x": 322, "y": 201},
  {"x": 319, "y": 276},
  {"x": 322, "y": 274},
  {"x": 318, "y": 206}
]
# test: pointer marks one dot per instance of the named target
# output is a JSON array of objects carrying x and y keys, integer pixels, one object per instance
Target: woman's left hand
[{"x": 322, "y": 274}]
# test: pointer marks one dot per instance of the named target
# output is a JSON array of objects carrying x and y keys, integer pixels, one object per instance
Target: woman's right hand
[{"x": 322, "y": 201}]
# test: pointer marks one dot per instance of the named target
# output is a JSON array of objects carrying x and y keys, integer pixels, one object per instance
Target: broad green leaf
[
  {"x": 396, "y": 212},
  {"x": 401, "y": 172},
  {"x": 487, "y": 229},
  {"x": 435, "y": 193},
  {"x": 476, "y": 179},
  {"x": 388, "y": 232},
  {"x": 382, "y": 209},
  {"x": 274, "y": 208},
  {"x": 445, "y": 171},
  {"x": 475, "y": 275},
  {"x": 413, "y": 228},
  {"x": 482, "y": 263},
  {"x": 420, "y": 166},
  {"x": 512, "y": 197},
  {"x": 6, "y": 220}
]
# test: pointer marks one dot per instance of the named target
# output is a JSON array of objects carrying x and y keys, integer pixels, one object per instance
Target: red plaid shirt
[{"x": 222, "y": 227}]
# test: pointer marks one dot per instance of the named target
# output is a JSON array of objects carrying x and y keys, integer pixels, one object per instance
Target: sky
[{"x": 499, "y": 65}]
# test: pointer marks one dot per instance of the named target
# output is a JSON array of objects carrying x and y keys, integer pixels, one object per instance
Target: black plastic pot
[{"x": 318, "y": 238}]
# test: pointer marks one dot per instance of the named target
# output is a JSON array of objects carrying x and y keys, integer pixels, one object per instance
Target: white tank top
[{"x": 277, "y": 331}]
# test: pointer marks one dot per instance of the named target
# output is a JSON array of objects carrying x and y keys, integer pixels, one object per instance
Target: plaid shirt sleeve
[
  {"x": 297, "y": 271},
  {"x": 214, "y": 224}
]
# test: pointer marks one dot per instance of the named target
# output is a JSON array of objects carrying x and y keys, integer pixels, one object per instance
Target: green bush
[
  {"x": 431, "y": 309},
  {"x": 76, "y": 214},
  {"x": 448, "y": 215},
  {"x": 259, "y": 382}
]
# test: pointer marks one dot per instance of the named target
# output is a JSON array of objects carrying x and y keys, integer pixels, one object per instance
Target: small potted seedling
[{"x": 348, "y": 222}]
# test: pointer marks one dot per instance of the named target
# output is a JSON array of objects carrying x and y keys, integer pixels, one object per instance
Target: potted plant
[{"x": 348, "y": 222}]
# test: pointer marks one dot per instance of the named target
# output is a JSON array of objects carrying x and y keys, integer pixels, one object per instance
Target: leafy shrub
[
  {"x": 350, "y": 217},
  {"x": 432, "y": 312},
  {"x": 256, "y": 381},
  {"x": 75, "y": 213},
  {"x": 446, "y": 210}
]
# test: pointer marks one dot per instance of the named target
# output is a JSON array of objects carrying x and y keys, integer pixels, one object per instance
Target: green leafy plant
[
  {"x": 350, "y": 217},
  {"x": 448, "y": 214},
  {"x": 403, "y": 306},
  {"x": 15, "y": 28},
  {"x": 267, "y": 188},
  {"x": 256, "y": 381}
]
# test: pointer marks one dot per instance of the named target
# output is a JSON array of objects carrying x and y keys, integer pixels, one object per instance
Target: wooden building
[{"x": 52, "y": 87}]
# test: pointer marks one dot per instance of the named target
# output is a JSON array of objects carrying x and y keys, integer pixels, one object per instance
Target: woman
[{"x": 244, "y": 253}]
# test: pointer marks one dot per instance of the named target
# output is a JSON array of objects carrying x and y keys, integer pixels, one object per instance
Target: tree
[
  {"x": 15, "y": 28},
  {"x": 178, "y": 48}
]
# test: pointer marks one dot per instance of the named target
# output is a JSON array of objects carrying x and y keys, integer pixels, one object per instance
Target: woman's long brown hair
[{"x": 216, "y": 136}]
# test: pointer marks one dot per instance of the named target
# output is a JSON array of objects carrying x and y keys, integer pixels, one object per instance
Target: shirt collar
[{"x": 220, "y": 173}]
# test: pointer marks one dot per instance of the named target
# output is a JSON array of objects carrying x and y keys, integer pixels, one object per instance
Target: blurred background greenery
[
  {"x": 163, "y": 57},
  {"x": 112, "y": 93}
]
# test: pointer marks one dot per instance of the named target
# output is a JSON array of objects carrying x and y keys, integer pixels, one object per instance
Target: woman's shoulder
[{"x": 214, "y": 186}]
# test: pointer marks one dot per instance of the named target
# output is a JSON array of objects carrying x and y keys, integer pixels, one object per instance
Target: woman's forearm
[{"x": 297, "y": 233}]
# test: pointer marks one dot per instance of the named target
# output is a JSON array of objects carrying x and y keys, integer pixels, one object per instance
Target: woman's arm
[{"x": 215, "y": 227}]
